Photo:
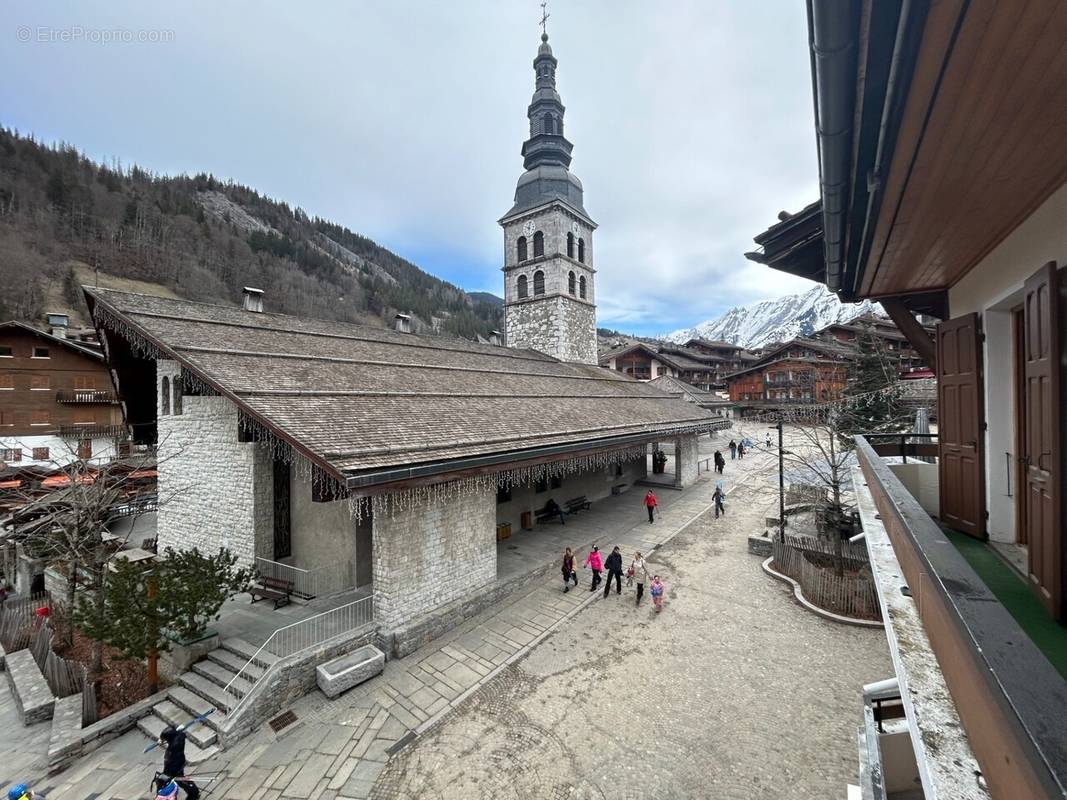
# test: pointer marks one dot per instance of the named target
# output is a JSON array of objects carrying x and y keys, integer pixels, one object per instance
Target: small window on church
[
  {"x": 581, "y": 251},
  {"x": 547, "y": 124},
  {"x": 539, "y": 282},
  {"x": 539, "y": 244},
  {"x": 570, "y": 282},
  {"x": 177, "y": 396},
  {"x": 164, "y": 397},
  {"x": 523, "y": 291},
  {"x": 570, "y": 247},
  {"x": 581, "y": 287},
  {"x": 521, "y": 247}
]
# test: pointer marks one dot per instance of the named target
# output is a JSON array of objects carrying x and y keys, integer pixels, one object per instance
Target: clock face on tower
[
  {"x": 576, "y": 228},
  {"x": 528, "y": 227}
]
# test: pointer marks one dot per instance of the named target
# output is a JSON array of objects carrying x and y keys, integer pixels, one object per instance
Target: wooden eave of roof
[
  {"x": 76, "y": 347},
  {"x": 417, "y": 407}
]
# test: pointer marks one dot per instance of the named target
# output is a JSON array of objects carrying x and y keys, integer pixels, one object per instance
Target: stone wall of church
[
  {"x": 214, "y": 490},
  {"x": 556, "y": 326},
  {"x": 429, "y": 556}
]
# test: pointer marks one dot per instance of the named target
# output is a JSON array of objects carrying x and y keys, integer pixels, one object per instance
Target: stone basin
[{"x": 351, "y": 669}]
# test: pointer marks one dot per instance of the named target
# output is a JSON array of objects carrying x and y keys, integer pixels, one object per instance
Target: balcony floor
[{"x": 1011, "y": 590}]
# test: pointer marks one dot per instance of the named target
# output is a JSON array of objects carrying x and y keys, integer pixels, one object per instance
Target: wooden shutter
[
  {"x": 1041, "y": 452},
  {"x": 959, "y": 405}
]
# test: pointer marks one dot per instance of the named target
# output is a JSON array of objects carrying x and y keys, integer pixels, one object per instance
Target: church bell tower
[{"x": 549, "y": 298}]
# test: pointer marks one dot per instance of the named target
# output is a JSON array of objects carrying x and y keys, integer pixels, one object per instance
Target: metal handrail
[
  {"x": 311, "y": 581},
  {"x": 280, "y": 634}
]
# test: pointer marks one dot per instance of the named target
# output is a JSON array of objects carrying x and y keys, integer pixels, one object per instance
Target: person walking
[
  {"x": 640, "y": 573},
  {"x": 613, "y": 565},
  {"x": 720, "y": 500},
  {"x": 593, "y": 562},
  {"x": 656, "y": 590},
  {"x": 569, "y": 572},
  {"x": 650, "y": 504},
  {"x": 768, "y": 441},
  {"x": 720, "y": 462},
  {"x": 741, "y": 450},
  {"x": 174, "y": 762},
  {"x": 733, "y": 449}
]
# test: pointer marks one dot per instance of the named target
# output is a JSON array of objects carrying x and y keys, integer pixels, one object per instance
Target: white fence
[
  {"x": 307, "y": 583},
  {"x": 304, "y": 635}
]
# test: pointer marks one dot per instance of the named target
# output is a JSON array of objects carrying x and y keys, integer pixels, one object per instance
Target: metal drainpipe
[
  {"x": 874, "y": 178},
  {"x": 833, "y": 51}
]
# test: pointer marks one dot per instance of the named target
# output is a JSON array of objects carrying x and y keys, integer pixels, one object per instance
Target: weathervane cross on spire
[{"x": 544, "y": 17}]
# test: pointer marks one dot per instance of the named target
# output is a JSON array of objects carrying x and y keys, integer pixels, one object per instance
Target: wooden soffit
[{"x": 980, "y": 145}]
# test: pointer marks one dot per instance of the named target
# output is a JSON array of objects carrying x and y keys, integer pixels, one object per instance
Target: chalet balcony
[
  {"x": 982, "y": 683},
  {"x": 85, "y": 396},
  {"x": 91, "y": 430}
]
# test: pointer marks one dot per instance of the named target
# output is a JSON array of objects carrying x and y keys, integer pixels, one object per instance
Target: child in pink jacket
[
  {"x": 656, "y": 590},
  {"x": 596, "y": 565}
]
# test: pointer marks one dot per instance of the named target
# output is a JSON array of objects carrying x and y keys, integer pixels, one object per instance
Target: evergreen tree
[{"x": 873, "y": 401}]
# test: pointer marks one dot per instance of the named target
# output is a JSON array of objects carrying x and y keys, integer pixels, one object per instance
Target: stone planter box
[
  {"x": 349, "y": 670},
  {"x": 183, "y": 655}
]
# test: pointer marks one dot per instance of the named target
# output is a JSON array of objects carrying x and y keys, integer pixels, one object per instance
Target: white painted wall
[
  {"x": 921, "y": 481},
  {"x": 991, "y": 289},
  {"x": 60, "y": 451}
]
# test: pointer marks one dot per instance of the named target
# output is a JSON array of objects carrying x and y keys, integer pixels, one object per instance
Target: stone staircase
[{"x": 202, "y": 689}]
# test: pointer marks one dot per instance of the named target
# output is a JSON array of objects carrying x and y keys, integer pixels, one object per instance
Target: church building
[
  {"x": 387, "y": 459},
  {"x": 549, "y": 304}
]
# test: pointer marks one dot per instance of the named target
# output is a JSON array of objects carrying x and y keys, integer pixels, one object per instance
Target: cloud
[{"x": 692, "y": 124}]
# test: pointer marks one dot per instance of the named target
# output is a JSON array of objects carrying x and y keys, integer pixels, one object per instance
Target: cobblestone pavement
[
  {"x": 339, "y": 748},
  {"x": 734, "y": 691}
]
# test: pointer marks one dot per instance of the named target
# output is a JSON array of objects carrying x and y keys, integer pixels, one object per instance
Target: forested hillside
[{"x": 200, "y": 238}]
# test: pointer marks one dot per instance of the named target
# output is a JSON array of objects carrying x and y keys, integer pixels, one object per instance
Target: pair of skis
[{"x": 182, "y": 728}]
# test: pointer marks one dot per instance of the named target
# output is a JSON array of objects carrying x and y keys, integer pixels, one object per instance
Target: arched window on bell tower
[
  {"x": 523, "y": 290},
  {"x": 548, "y": 125},
  {"x": 164, "y": 396},
  {"x": 520, "y": 246},
  {"x": 570, "y": 247},
  {"x": 539, "y": 282},
  {"x": 581, "y": 287},
  {"x": 581, "y": 251},
  {"x": 539, "y": 244},
  {"x": 570, "y": 282}
]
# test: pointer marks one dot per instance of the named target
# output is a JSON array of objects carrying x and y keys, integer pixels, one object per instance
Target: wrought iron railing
[
  {"x": 311, "y": 582},
  {"x": 296, "y": 638},
  {"x": 917, "y": 445}
]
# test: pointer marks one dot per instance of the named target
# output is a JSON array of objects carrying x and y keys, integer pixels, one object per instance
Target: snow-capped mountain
[{"x": 777, "y": 320}]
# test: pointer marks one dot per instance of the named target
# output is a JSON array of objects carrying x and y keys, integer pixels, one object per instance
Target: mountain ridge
[{"x": 778, "y": 320}]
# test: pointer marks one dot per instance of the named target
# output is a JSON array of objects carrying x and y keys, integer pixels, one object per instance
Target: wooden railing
[
  {"x": 1010, "y": 699},
  {"x": 92, "y": 396}
]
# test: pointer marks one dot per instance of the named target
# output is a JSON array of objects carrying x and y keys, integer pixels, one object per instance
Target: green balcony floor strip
[{"x": 1013, "y": 593}]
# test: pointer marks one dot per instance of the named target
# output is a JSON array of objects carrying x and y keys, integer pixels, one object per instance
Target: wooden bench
[
  {"x": 276, "y": 589},
  {"x": 546, "y": 514},
  {"x": 576, "y": 504}
]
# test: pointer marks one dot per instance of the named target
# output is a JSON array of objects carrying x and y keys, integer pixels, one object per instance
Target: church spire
[{"x": 546, "y": 144}]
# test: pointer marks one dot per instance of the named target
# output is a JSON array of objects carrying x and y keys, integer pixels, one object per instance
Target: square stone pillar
[{"x": 686, "y": 455}]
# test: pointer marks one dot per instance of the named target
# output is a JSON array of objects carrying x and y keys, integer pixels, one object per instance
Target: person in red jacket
[
  {"x": 596, "y": 565},
  {"x": 650, "y": 504}
]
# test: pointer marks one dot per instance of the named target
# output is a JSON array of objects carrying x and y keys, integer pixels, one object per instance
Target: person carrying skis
[{"x": 173, "y": 740}]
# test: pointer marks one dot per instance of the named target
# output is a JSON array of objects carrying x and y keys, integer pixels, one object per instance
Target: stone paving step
[
  {"x": 172, "y": 714},
  {"x": 222, "y": 676},
  {"x": 247, "y": 651},
  {"x": 33, "y": 699},
  {"x": 236, "y": 663},
  {"x": 207, "y": 689},
  {"x": 152, "y": 726},
  {"x": 195, "y": 705}
]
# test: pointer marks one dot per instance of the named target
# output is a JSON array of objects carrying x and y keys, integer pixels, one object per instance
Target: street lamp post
[{"x": 781, "y": 481}]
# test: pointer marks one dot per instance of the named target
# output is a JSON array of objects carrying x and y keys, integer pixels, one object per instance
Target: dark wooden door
[
  {"x": 1041, "y": 456},
  {"x": 283, "y": 532},
  {"x": 959, "y": 403}
]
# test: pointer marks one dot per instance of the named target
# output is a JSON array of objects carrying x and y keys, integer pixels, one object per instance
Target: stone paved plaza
[{"x": 734, "y": 691}]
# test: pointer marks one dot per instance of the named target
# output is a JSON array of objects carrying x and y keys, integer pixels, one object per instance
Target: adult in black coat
[
  {"x": 613, "y": 565},
  {"x": 173, "y": 740}
]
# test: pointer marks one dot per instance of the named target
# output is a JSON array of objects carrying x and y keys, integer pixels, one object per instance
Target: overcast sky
[{"x": 691, "y": 120}]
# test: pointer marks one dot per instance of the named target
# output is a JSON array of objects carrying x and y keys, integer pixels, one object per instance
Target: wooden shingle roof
[{"x": 360, "y": 400}]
